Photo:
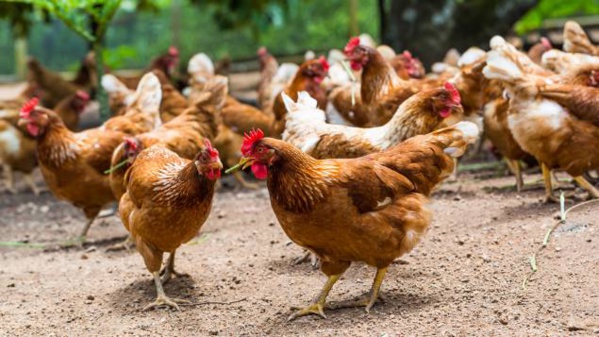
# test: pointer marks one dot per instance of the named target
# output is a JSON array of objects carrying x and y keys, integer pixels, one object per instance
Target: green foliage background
[
  {"x": 135, "y": 37},
  {"x": 551, "y": 9}
]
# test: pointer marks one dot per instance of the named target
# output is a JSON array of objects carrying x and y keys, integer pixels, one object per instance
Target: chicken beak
[
  {"x": 242, "y": 165},
  {"x": 22, "y": 122}
]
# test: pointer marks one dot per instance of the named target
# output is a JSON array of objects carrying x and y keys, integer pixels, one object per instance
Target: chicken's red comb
[
  {"x": 212, "y": 151},
  {"x": 546, "y": 43},
  {"x": 453, "y": 91},
  {"x": 351, "y": 45},
  {"x": 262, "y": 51},
  {"x": 249, "y": 139},
  {"x": 131, "y": 143},
  {"x": 407, "y": 54},
  {"x": 324, "y": 63},
  {"x": 173, "y": 51},
  {"x": 82, "y": 95},
  {"x": 29, "y": 106}
]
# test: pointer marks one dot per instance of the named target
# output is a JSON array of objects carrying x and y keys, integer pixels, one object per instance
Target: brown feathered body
[
  {"x": 18, "y": 148},
  {"x": 173, "y": 103},
  {"x": 242, "y": 118},
  {"x": 183, "y": 135},
  {"x": 268, "y": 69},
  {"x": 371, "y": 209},
  {"x": 73, "y": 164},
  {"x": 53, "y": 86},
  {"x": 163, "y": 63},
  {"x": 581, "y": 101},
  {"x": 381, "y": 93},
  {"x": 307, "y": 78},
  {"x": 166, "y": 203},
  {"x": 543, "y": 127},
  {"x": 495, "y": 121},
  {"x": 420, "y": 114},
  {"x": 143, "y": 114}
]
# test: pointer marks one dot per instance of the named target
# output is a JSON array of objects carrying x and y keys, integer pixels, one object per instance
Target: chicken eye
[{"x": 260, "y": 149}]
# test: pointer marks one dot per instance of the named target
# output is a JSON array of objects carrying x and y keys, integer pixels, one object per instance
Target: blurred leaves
[
  {"x": 550, "y": 9},
  {"x": 115, "y": 58},
  {"x": 20, "y": 15},
  {"x": 258, "y": 15}
]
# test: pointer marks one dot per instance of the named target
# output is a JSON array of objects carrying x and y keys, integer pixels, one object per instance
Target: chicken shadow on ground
[
  {"x": 133, "y": 297},
  {"x": 289, "y": 265}
]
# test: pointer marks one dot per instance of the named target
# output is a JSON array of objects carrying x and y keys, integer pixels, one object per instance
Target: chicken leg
[
  {"x": 8, "y": 178},
  {"x": 371, "y": 297},
  {"x": 587, "y": 186},
  {"x": 549, "y": 197},
  {"x": 317, "y": 306},
  {"x": 169, "y": 269},
  {"x": 516, "y": 169},
  {"x": 161, "y": 298},
  {"x": 153, "y": 260}
]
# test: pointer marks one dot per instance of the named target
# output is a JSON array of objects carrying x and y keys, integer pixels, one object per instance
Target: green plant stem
[{"x": 101, "y": 96}]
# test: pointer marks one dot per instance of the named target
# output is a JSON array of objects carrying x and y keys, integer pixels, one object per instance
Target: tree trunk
[
  {"x": 21, "y": 57},
  {"x": 101, "y": 97}
]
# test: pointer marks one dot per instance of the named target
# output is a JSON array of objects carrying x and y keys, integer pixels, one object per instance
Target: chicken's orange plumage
[{"x": 370, "y": 209}]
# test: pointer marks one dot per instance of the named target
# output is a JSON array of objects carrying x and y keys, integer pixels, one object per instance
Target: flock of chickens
[{"x": 351, "y": 153}]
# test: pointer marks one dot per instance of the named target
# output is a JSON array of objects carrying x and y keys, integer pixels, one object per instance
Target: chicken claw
[
  {"x": 314, "y": 308},
  {"x": 161, "y": 298},
  {"x": 165, "y": 301},
  {"x": 317, "y": 307}
]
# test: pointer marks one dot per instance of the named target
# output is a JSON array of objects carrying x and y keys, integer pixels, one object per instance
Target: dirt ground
[{"x": 465, "y": 278}]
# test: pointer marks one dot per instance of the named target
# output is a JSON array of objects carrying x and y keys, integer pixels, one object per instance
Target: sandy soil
[{"x": 465, "y": 278}]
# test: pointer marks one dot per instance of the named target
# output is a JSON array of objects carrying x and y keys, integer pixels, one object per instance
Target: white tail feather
[
  {"x": 501, "y": 67},
  {"x": 200, "y": 63},
  {"x": 112, "y": 85},
  {"x": 471, "y": 56}
]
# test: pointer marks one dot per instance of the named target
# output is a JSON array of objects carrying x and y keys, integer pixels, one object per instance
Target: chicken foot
[
  {"x": 161, "y": 298},
  {"x": 594, "y": 193},
  {"x": 169, "y": 269},
  {"x": 549, "y": 197},
  {"x": 127, "y": 244},
  {"x": 83, "y": 235},
  {"x": 370, "y": 298},
  {"x": 317, "y": 306}
]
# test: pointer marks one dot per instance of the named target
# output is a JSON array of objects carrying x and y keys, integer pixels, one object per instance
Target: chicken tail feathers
[
  {"x": 456, "y": 138},
  {"x": 503, "y": 66},
  {"x": 576, "y": 40}
]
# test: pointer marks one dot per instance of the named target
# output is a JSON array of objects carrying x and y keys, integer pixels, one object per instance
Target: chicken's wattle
[
  {"x": 355, "y": 65},
  {"x": 33, "y": 129},
  {"x": 260, "y": 170},
  {"x": 445, "y": 113}
]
